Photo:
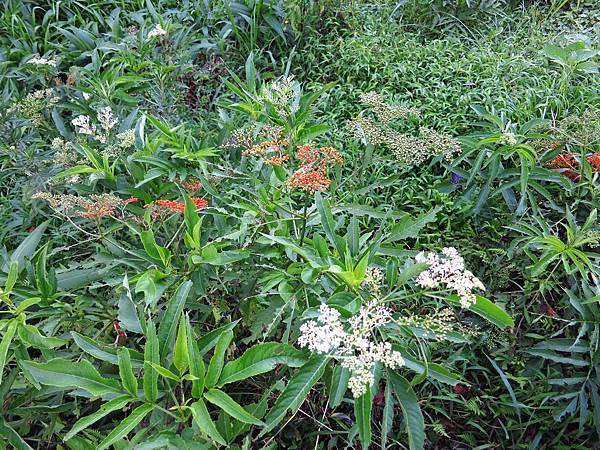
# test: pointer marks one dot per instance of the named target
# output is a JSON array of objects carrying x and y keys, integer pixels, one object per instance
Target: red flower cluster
[
  {"x": 311, "y": 176},
  {"x": 309, "y": 180},
  {"x": 162, "y": 207},
  {"x": 568, "y": 164}
]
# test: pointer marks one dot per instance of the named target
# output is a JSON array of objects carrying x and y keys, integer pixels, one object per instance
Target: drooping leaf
[
  {"x": 295, "y": 392},
  {"x": 413, "y": 417},
  {"x": 362, "y": 412},
  {"x": 205, "y": 423}
]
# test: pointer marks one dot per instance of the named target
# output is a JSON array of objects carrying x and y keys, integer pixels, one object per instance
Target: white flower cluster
[
  {"x": 107, "y": 122},
  {"x": 107, "y": 119},
  {"x": 357, "y": 351},
  {"x": 157, "y": 31},
  {"x": 84, "y": 126},
  {"x": 448, "y": 269},
  {"x": 40, "y": 61}
]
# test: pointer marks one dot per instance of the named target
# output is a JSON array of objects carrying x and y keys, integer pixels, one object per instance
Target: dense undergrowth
[{"x": 299, "y": 225}]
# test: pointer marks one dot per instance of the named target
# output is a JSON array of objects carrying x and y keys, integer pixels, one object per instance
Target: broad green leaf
[
  {"x": 26, "y": 249},
  {"x": 113, "y": 405},
  {"x": 205, "y": 423},
  {"x": 63, "y": 373},
  {"x": 230, "y": 406},
  {"x": 488, "y": 310},
  {"x": 104, "y": 352},
  {"x": 408, "y": 227},
  {"x": 259, "y": 359},
  {"x": 295, "y": 392},
  {"x": 128, "y": 378},
  {"x": 170, "y": 319},
  {"x": 415, "y": 426},
  {"x": 125, "y": 426},
  {"x": 218, "y": 359},
  {"x": 32, "y": 336},
  {"x": 13, "y": 438},
  {"x": 362, "y": 412}
]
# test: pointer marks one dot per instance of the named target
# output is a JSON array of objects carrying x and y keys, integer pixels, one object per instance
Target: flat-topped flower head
[
  {"x": 356, "y": 349},
  {"x": 448, "y": 270}
]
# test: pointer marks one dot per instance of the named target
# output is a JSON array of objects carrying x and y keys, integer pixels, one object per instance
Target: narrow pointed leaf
[
  {"x": 230, "y": 406},
  {"x": 125, "y": 426}
]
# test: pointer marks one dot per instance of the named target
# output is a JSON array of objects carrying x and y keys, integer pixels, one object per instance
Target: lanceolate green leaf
[
  {"x": 296, "y": 391},
  {"x": 64, "y": 373},
  {"x": 362, "y": 412},
  {"x": 196, "y": 364},
  {"x": 126, "y": 372},
  {"x": 415, "y": 426},
  {"x": 209, "y": 340},
  {"x": 260, "y": 359},
  {"x": 230, "y": 406},
  {"x": 125, "y": 426},
  {"x": 128, "y": 316},
  {"x": 388, "y": 415},
  {"x": 180, "y": 355},
  {"x": 32, "y": 336},
  {"x": 328, "y": 223},
  {"x": 26, "y": 249},
  {"x": 169, "y": 321},
  {"x": 5, "y": 343},
  {"x": 407, "y": 227},
  {"x": 338, "y": 385},
  {"x": 218, "y": 359},
  {"x": 151, "y": 356},
  {"x": 205, "y": 423},
  {"x": 113, "y": 405}
]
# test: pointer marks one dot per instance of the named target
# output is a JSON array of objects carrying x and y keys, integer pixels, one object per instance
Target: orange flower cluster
[
  {"x": 277, "y": 160},
  {"x": 567, "y": 162},
  {"x": 266, "y": 147},
  {"x": 173, "y": 206},
  {"x": 311, "y": 176}
]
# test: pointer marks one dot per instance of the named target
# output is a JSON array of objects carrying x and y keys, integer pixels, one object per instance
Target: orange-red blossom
[{"x": 569, "y": 162}]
